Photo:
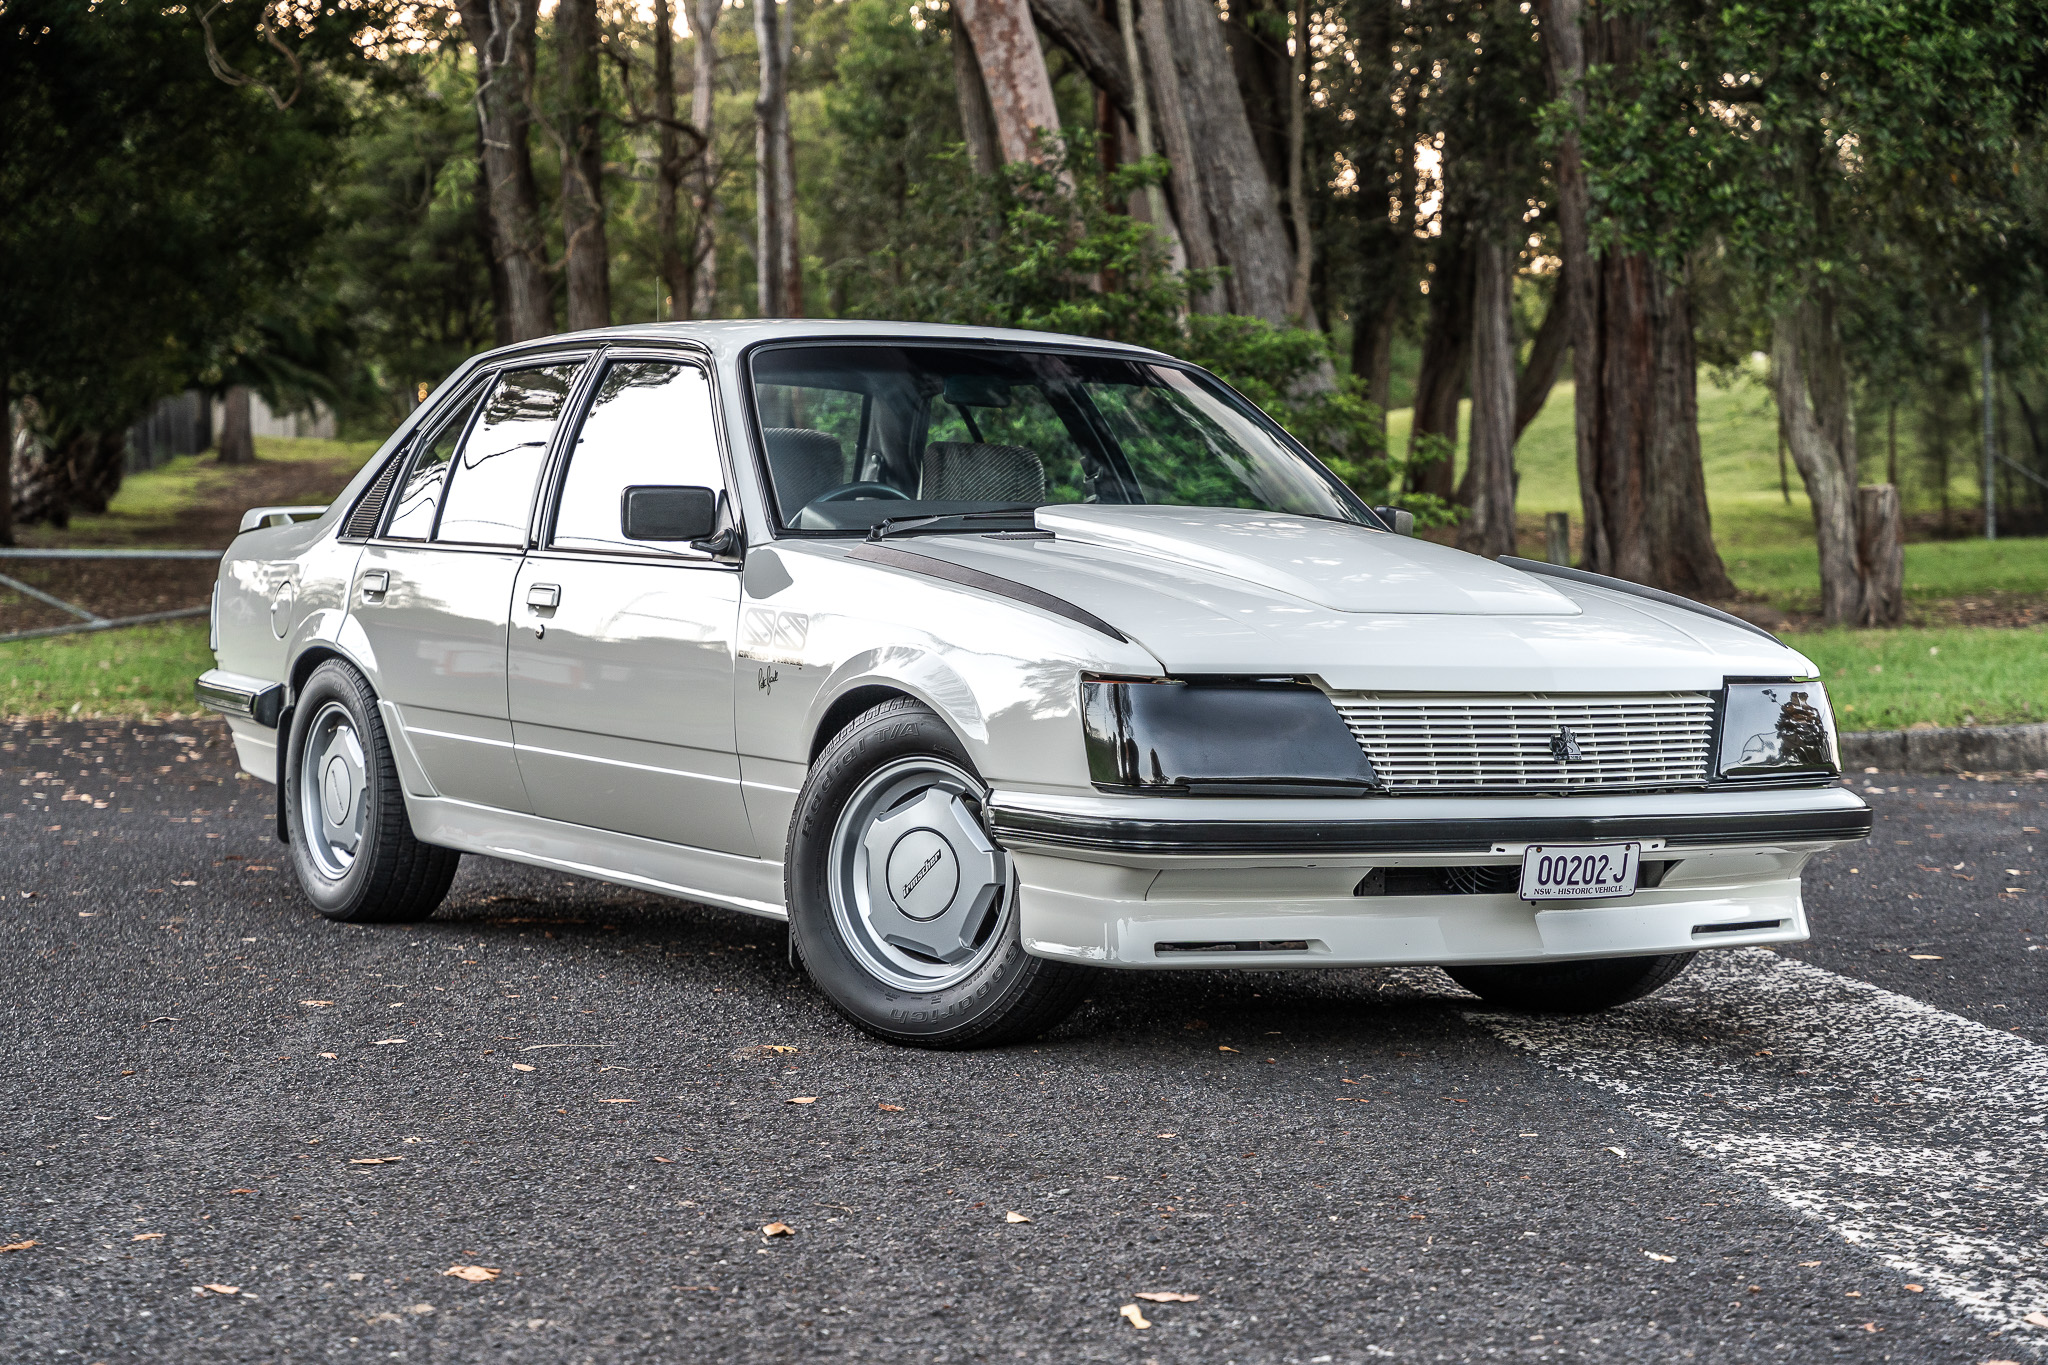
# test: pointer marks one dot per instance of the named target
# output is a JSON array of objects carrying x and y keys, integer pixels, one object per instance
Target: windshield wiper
[{"x": 947, "y": 523}]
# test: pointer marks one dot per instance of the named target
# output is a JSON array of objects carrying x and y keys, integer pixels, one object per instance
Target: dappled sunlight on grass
[{"x": 1948, "y": 675}]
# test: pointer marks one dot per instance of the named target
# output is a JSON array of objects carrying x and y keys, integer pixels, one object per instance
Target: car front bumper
[{"x": 1199, "y": 882}]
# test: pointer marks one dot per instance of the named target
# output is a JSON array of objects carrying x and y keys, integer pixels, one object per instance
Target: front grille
[{"x": 1441, "y": 744}]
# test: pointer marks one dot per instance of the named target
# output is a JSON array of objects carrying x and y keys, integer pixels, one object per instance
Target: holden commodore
[{"x": 991, "y": 660}]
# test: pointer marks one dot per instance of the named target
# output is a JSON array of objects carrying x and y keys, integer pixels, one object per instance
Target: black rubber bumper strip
[
  {"x": 986, "y": 582},
  {"x": 1195, "y": 837}
]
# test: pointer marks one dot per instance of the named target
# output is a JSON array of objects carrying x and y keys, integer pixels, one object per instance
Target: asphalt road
[{"x": 236, "y": 1132}]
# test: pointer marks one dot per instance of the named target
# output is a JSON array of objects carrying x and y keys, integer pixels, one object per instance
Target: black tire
[
  {"x": 389, "y": 877},
  {"x": 1583, "y": 987},
  {"x": 1005, "y": 993}
]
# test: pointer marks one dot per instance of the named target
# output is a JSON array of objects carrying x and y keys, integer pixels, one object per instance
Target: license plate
[{"x": 1571, "y": 872}]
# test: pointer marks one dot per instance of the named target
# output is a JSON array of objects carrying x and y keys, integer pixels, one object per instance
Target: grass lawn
[
  {"x": 136, "y": 671},
  {"x": 1949, "y": 675},
  {"x": 1766, "y": 539}
]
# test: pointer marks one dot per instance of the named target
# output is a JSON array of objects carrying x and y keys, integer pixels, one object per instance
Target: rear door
[
  {"x": 621, "y": 669},
  {"x": 433, "y": 592}
]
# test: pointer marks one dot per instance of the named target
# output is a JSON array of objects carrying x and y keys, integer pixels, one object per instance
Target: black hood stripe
[{"x": 986, "y": 582}]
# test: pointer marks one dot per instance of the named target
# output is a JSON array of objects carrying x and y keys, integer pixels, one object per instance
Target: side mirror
[
  {"x": 655, "y": 513},
  {"x": 1399, "y": 522}
]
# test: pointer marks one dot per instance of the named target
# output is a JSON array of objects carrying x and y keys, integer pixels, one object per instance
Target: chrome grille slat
[{"x": 1454, "y": 743}]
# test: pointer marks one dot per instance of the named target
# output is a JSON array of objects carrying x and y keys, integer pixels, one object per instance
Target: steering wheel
[{"x": 851, "y": 492}]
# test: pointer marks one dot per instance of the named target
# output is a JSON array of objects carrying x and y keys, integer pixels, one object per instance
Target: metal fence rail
[{"x": 89, "y": 620}]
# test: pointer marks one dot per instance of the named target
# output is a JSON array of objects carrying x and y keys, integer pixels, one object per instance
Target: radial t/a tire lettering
[
  {"x": 902, "y": 910},
  {"x": 351, "y": 841}
]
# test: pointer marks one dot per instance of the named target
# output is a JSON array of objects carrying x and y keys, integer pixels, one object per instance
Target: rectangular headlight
[
  {"x": 1778, "y": 729},
  {"x": 1224, "y": 737}
]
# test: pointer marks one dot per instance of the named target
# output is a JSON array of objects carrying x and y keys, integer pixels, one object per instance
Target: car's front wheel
[
  {"x": 903, "y": 910},
  {"x": 1581, "y": 987},
  {"x": 352, "y": 845}
]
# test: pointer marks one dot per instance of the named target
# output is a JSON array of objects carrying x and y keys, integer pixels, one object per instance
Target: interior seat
[
  {"x": 805, "y": 463},
  {"x": 977, "y": 471}
]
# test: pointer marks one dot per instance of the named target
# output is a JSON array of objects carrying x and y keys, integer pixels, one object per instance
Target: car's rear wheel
[
  {"x": 352, "y": 845},
  {"x": 903, "y": 910},
  {"x": 1581, "y": 987}
]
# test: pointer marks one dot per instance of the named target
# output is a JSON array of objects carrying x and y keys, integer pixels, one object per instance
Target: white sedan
[{"x": 990, "y": 658}]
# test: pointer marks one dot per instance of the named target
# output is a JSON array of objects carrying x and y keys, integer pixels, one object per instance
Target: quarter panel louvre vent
[{"x": 362, "y": 522}]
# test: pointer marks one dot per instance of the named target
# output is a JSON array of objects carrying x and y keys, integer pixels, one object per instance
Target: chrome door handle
[
  {"x": 376, "y": 583},
  {"x": 544, "y": 595}
]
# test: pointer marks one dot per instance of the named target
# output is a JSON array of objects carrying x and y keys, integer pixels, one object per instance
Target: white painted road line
[{"x": 1913, "y": 1134}]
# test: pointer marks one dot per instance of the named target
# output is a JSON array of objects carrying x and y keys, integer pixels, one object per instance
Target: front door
[
  {"x": 621, "y": 665},
  {"x": 433, "y": 592}
]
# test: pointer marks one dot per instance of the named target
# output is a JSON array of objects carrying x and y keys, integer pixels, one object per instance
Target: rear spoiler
[{"x": 276, "y": 516}]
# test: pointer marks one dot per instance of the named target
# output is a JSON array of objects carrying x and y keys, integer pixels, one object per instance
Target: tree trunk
[
  {"x": 704, "y": 257},
  {"x": 1095, "y": 46},
  {"x": 237, "y": 434},
  {"x": 6, "y": 454},
  {"x": 1635, "y": 405},
  {"x": 1446, "y": 358},
  {"x": 1546, "y": 357},
  {"x": 1239, "y": 198},
  {"x": 1177, "y": 140},
  {"x": 1881, "y": 553},
  {"x": 489, "y": 238},
  {"x": 1013, "y": 72},
  {"x": 1829, "y": 487},
  {"x": 1297, "y": 169},
  {"x": 668, "y": 167},
  {"x": 1141, "y": 128},
  {"x": 1489, "y": 491},
  {"x": 977, "y": 120},
  {"x": 586, "y": 259},
  {"x": 1372, "y": 344},
  {"x": 502, "y": 31},
  {"x": 779, "y": 282}
]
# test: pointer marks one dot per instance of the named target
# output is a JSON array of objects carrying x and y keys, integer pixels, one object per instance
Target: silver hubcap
[
  {"x": 917, "y": 888},
  {"x": 334, "y": 790}
]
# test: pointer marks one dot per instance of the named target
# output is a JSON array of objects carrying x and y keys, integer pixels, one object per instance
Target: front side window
[
  {"x": 649, "y": 422},
  {"x": 490, "y": 486},
  {"x": 857, "y": 434},
  {"x": 419, "y": 497}
]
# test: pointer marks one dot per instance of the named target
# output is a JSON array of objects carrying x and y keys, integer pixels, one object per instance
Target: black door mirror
[
  {"x": 1399, "y": 522},
  {"x": 655, "y": 512}
]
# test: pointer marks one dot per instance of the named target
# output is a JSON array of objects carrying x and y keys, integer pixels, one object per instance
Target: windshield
[{"x": 859, "y": 434}]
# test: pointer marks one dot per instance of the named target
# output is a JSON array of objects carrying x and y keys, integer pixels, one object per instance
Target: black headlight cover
[
  {"x": 1774, "y": 729},
  {"x": 1221, "y": 737}
]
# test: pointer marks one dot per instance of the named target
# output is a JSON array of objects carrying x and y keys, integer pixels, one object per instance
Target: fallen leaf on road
[
  {"x": 2036, "y": 1319},
  {"x": 475, "y": 1274},
  {"x": 890, "y": 1108},
  {"x": 223, "y": 1288},
  {"x": 176, "y": 883},
  {"x": 783, "y": 1048},
  {"x": 1015, "y": 1217},
  {"x": 1165, "y": 1135},
  {"x": 803, "y": 1099},
  {"x": 1658, "y": 1256},
  {"x": 1915, "y": 1288},
  {"x": 373, "y": 1160},
  {"x": 1618, "y": 1152},
  {"x": 1925, "y": 957},
  {"x": 17, "y": 1246},
  {"x": 777, "y": 1230},
  {"x": 1221, "y": 1048},
  {"x": 1135, "y": 1315},
  {"x": 145, "y": 1236},
  {"x": 244, "y": 1190},
  {"x": 386, "y": 1042},
  {"x": 421, "y": 1308},
  {"x": 521, "y": 1066},
  {"x": 665, "y": 1160},
  {"x": 328, "y": 1055},
  {"x": 615, "y": 1101},
  {"x": 1809, "y": 1263},
  {"x": 1166, "y": 1296},
  {"x": 316, "y": 1003},
  {"x": 1353, "y": 1099}
]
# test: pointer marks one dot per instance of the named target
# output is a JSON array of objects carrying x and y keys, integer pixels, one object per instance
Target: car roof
[{"x": 727, "y": 338}]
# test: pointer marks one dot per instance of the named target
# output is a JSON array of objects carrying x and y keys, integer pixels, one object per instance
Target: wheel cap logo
[{"x": 923, "y": 874}]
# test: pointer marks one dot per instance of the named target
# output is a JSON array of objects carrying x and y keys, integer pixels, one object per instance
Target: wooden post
[{"x": 1557, "y": 537}]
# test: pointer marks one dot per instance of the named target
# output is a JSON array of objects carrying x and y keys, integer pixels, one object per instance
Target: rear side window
[
  {"x": 649, "y": 423},
  {"x": 490, "y": 482},
  {"x": 419, "y": 496}
]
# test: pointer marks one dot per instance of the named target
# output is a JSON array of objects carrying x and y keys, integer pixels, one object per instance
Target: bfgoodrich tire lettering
[
  {"x": 903, "y": 912},
  {"x": 1582, "y": 987},
  {"x": 352, "y": 845}
]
